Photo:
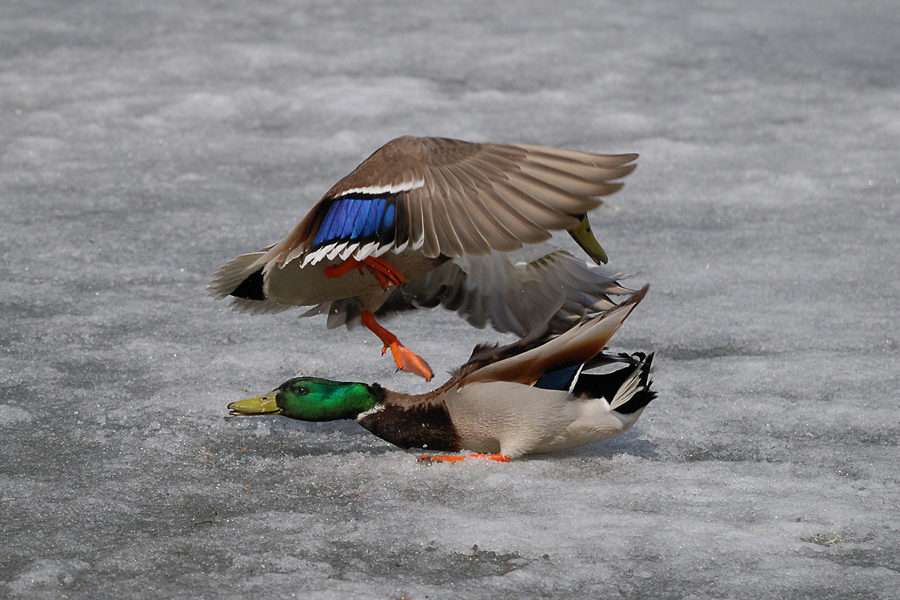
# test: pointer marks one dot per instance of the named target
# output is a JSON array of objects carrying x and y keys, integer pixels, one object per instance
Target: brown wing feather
[
  {"x": 470, "y": 198},
  {"x": 542, "y": 188},
  {"x": 493, "y": 233}
]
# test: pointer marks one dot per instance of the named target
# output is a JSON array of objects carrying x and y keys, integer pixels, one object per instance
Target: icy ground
[{"x": 142, "y": 144}]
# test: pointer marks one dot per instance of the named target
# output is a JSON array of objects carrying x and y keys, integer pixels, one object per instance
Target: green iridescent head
[{"x": 312, "y": 399}]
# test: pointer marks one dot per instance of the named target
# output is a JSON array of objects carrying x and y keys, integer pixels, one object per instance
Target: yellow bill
[
  {"x": 261, "y": 405},
  {"x": 584, "y": 237}
]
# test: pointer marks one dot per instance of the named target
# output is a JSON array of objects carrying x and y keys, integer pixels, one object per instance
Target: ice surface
[{"x": 142, "y": 144}]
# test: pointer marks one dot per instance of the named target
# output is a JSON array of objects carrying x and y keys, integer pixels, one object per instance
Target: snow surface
[{"x": 142, "y": 144}]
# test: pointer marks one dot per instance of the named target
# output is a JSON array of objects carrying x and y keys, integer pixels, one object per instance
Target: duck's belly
[
  {"x": 505, "y": 417},
  {"x": 516, "y": 419},
  {"x": 309, "y": 286}
]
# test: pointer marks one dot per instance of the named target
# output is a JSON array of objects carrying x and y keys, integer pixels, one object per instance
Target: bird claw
[{"x": 385, "y": 273}]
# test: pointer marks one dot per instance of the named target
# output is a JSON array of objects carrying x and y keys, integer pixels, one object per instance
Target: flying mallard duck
[
  {"x": 449, "y": 206},
  {"x": 526, "y": 398}
]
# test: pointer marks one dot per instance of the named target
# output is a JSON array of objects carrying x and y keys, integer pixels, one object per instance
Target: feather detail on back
[{"x": 576, "y": 346}]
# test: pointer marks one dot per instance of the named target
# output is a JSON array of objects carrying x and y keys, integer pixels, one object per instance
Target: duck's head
[{"x": 312, "y": 399}]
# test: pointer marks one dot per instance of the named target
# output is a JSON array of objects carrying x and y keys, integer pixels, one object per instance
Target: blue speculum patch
[
  {"x": 557, "y": 380},
  {"x": 356, "y": 219}
]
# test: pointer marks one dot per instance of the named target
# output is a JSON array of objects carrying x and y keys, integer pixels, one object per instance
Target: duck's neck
[{"x": 356, "y": 399}]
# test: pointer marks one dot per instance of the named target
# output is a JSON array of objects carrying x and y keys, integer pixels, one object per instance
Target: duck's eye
[{"x": 301, "y": 391}]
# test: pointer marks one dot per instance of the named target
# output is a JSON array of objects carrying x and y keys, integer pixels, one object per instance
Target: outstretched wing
[
  {"x": 521, "y": 292},
  {"x": 535, "y": 290},
  {"x": 451, "y": 198}
]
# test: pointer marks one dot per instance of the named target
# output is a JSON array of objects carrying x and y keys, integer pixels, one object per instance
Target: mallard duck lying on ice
[{"x": 525, "y": 398}]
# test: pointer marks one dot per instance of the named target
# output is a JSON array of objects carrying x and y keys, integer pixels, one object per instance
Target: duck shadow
[{"x": 609, "y": 449}]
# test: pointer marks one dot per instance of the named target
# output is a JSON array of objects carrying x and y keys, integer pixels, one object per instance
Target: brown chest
[{"x": 427, "y": 427}]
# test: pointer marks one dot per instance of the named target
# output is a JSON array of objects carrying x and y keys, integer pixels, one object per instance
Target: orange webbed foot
[
  {"x": 453, "y": 458},
  {"x": 408, "y": 361},
  {"x": 404, "y": 357}
]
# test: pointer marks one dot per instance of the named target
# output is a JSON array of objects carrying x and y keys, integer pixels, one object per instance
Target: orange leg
[
  {"x": 452, "y": 458},
  {"x": 403, "y": 356},
  {"x": 345, "y": 267},
  {"x": 386, "y": 274}
]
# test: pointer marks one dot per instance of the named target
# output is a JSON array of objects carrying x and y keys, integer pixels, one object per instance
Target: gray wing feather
[{"x": 520, "y": 292}]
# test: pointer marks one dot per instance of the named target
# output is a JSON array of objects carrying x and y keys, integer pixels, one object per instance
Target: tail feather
[
  {"x": 243, "y": 279},
  {"x": 627, "y": 389}
]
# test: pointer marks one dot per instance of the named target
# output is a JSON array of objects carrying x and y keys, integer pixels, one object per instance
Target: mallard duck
[
  {"x": 429, "y": 202},
  {"x": 526, "y": 398}
]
